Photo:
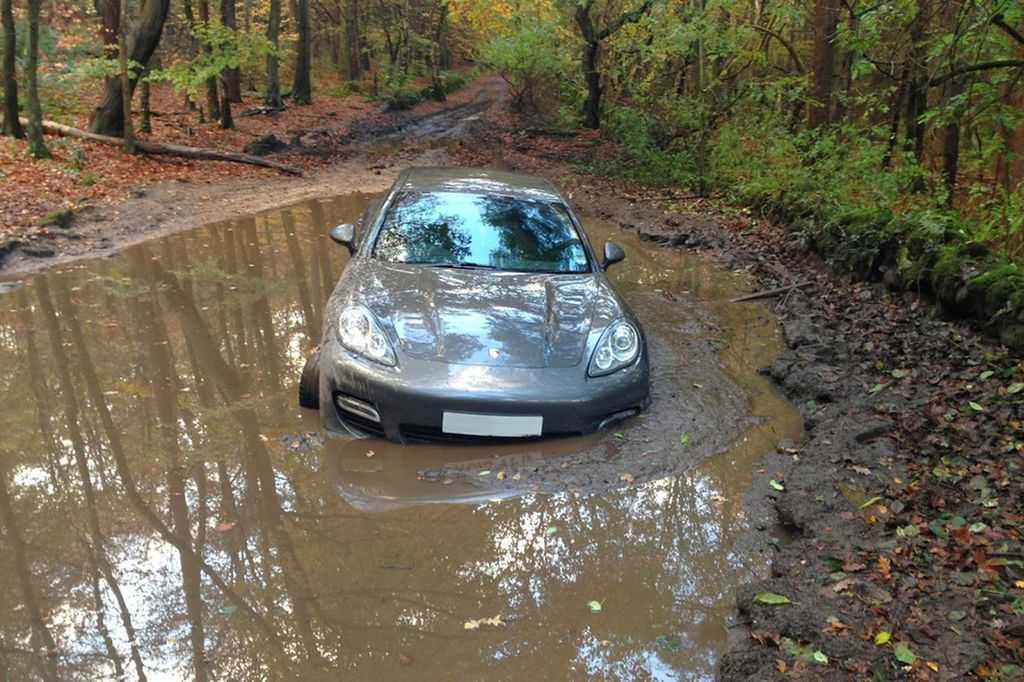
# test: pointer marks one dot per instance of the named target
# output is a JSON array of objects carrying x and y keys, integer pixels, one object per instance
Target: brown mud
[{"x": 167, "y": 506}]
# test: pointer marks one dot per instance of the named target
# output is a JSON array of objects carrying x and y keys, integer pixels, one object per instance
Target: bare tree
[{"x": 36, "y": 145}]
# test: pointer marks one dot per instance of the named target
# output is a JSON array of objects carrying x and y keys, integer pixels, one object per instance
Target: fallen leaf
[
  {"x": 501, "y": 475},
  {"x": 885, "y": 567},
  {"x": 1015, "y": 388},
  {"x": 550, "y": 530},
  {"x": 776, "y": 485},
  {"x": 628, "y": 478},
  {"x": 684, "y": 438},
  {"x": 819, "y": 657},
  {"x": 883, "y": 637},
  {"x": 771, "y": 599},
  {"x": 370, "y": 453},
  {"x": 475, "y": 624},
  {"x": 780, "y": 665},
  {"x": 867, "y": 503},
  {"x": 225, "y": 527},
  {"x": 933, "y": 665},
  {"x": 904, "y": 655},
  {"x": 975, "y": 406},
  {"x": 594, "y": 606}
]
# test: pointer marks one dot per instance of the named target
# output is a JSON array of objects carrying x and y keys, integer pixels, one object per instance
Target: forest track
[{"x": 369, "y": 157}]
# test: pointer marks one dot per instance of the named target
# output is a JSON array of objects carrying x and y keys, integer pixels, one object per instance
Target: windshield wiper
[{"x": 466, "y": 266}]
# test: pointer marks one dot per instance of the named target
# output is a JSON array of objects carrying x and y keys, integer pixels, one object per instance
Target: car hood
[{"x": 484, "y": 317}]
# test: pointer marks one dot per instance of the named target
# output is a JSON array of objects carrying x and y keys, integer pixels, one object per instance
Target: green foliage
[
  {"x": 398, "y": 94},
  {"x": 224, "y": 49},
  {"x": 539, "y": 67}
]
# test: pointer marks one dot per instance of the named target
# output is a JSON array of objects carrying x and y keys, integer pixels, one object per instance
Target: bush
[{"x": 535, "y": 61}]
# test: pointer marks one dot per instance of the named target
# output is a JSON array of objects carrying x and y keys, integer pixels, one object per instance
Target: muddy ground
[{"x": 905, "y": 498}]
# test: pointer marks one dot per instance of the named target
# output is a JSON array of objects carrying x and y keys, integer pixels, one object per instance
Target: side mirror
[
  {"x": 613, "y": 253},
  {"x": 345, "y": 235}
]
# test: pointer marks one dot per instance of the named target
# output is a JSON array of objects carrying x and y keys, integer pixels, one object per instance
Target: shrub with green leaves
[{"x": 539, "y": 67}]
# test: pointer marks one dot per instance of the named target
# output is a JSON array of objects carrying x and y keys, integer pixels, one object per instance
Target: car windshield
[{"x": 457, "y": 229}]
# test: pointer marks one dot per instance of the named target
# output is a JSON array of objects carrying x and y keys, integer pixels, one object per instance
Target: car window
[{"x": 457, "y": 229}]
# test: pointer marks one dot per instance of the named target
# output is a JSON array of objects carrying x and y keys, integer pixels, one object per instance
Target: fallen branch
[
  {"x": 157, "y": 148},
  {"x": 769, "y": 293}
]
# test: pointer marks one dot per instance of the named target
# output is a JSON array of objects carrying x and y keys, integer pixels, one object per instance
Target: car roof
[{"x": 477, "y": 180}]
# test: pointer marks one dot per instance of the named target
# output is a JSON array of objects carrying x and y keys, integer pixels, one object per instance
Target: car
[{"x": 474, "y": 307}]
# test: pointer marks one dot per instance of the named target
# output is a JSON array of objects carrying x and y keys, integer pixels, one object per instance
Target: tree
[
  {"x": 273, "y": 95},
  {"x": 212, "y": 100},
  {"x": 353, "y": 41},
  {"x": 126, "y": 92},
  {"x": 302, "y": 89},
  {"x": 108, "y": 118},
  {"x": 36, "y": 145},
  {"x": 592, "y": 39},
  {"x": 232, "y": 77},
  {"x": 12, "y": 126},
  {"x": 826, "y": 18}
]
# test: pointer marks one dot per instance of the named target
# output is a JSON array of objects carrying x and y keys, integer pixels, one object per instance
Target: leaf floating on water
[
  {"x": 501, "y": 475},
  {"x": 594, "y": 606},
  {"x": 485, "y": 472},
  {"x": 883, "y": 637},
  {"x": 776, "y": 485},
  {"x": 225, "y": 527},
  {"x": 474, "y": 624},
  {"x": 771, "y": 599},
  {"x": 370, "y": 453},
  {"x": 550, "y": 530},
  {"x": 229, "y": 610},
  {"x": 620, "y": 436}
]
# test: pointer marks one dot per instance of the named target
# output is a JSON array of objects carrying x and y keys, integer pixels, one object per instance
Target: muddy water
[{"x": 167, "y": 510}]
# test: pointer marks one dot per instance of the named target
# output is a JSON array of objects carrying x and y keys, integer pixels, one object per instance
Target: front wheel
[{"x": 309, "y": 383}]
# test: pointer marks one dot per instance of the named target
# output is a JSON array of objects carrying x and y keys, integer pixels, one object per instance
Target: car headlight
[
  {"x": 618, "y": 348},
  {"x": 359, "y": 331}
]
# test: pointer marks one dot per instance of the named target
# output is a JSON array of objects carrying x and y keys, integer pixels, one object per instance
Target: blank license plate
[{"x": 501, "y": 426}]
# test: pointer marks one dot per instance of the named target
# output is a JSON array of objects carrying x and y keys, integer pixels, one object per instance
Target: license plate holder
[{"x": 492, "y": 425}]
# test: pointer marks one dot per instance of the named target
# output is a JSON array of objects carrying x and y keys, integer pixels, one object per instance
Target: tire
[{"x": 309, "y": 383}]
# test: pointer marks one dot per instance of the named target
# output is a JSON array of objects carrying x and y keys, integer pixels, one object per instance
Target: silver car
[{"x": 473, "y": 306}]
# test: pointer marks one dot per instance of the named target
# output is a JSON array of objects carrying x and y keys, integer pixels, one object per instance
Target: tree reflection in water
[{"x": 153, "y": 526}]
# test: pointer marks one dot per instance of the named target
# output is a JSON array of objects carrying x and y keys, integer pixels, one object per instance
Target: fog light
[{"x": 358, "y": 407}]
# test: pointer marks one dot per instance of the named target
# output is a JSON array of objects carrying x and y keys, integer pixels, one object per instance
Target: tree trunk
[
  {"x": 212, "y": 99},
  {"x": 12, "y": 126},
  {"x": 352, "y": 39},
  {"x": 36, "y": 145},
  {"x": 156, "y": 148},
  {"x": 126, "y": 92},
  {"x": 226, "y": 120},
  {"x": 591, "y": 47},
  {"x": 302, "y": 89},
  {"x": 273, "y": 95},
  {"x": 108, "y": 118},
  {"x": 825, "y": 20},
  {"x": 951, "y": 145},
  {"x": 232, "y": 77}
]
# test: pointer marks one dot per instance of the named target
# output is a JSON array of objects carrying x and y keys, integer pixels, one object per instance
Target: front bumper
[{"x": 411, "y": 400}]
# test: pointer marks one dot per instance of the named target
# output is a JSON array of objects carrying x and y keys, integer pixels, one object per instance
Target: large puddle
[{"x": 168, "y": 510}]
